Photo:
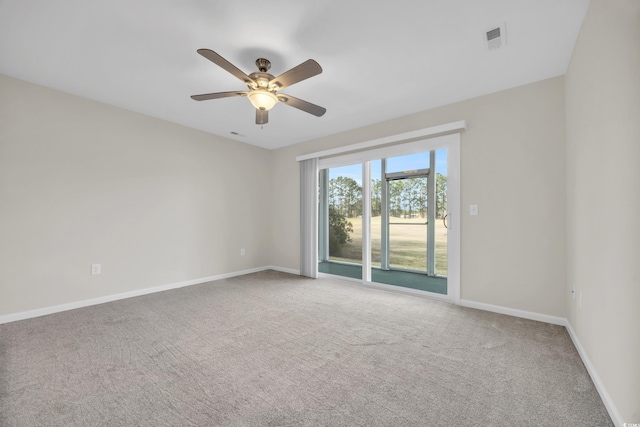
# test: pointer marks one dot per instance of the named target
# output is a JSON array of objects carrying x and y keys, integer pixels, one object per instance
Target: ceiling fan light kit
[
  {"x": 262, "y": 99},
  {"x": 263, "y": 86}
]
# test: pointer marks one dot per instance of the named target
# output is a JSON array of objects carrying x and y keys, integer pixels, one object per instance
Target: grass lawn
[{"x": 407, "y": 244}]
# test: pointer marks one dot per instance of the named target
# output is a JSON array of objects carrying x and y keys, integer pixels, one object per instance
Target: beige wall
[
  {"x": 153, "y": 202},
  {"x": 512, "y": 161},
  {"x": 603, "y": 196},
  {"x": 156, "y": 203}
]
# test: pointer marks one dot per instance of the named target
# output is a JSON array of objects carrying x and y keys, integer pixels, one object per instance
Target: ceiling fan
[{"x": 263, "y": 87}]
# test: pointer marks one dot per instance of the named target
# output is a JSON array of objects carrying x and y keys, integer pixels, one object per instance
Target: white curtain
[{"x": 309, "y": 218}]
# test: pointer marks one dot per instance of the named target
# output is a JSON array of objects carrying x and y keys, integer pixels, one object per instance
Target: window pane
[
  {"x": 408, "y": 162},
  {"x": 441, "y": 212},
  {"x": 376, "y": 211},
  {"x": 407, "y": 199},
  {"x": 345, "y": 214},
  {"x": 408, "y": 244}
]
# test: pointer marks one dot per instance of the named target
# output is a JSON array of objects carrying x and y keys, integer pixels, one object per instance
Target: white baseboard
[
  {"x": 604, "y": 395},
  {"x": 283, "y": 270},
  {"x": 108, "y": 298},
  {"x": 514, "y": 312}
]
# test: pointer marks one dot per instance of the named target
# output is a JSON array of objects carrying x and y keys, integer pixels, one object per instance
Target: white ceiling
[{"x": 380, "y": 59}]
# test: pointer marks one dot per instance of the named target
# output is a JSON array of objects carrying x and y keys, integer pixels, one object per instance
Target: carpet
[{"x": 274, "y": 349}]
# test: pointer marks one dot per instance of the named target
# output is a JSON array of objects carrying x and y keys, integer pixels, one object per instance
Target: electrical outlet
[
  {"x": 96, "y": 269},
  {"x": 242, "y": 252}
]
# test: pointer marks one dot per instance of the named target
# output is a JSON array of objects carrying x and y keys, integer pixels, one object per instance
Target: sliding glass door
[{"x": 394, "y": 229}]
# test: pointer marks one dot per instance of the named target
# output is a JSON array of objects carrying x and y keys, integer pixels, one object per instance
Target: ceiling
[{"x": 380, "y": 60}]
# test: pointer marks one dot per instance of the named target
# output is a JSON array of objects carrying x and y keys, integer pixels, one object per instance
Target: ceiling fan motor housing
[{"x": 260, "y": 80}]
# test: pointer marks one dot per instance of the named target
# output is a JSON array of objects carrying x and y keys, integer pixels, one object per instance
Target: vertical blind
[{"x": 309, "y": 218}]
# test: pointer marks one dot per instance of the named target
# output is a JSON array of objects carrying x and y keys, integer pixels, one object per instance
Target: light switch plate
[
  {"x": 96, "y": 269},
  {"x": 473, "y": 210}
]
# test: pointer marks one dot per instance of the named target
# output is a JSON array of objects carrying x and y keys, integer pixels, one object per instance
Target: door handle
[{"x": 444, "y": 220}]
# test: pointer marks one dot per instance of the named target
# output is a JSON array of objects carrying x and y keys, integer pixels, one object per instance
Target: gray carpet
[{"x": 272, "y": 349}]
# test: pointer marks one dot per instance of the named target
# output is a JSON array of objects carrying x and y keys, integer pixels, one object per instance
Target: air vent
[{"x": 496, "y": 37}]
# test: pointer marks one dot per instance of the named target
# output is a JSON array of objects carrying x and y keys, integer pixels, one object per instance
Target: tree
[
  {"x": 415, "y": 196},
  {"x": 441, "y": 195},
  {"x": 353, "y": 198},
  {"x": 423, "y": 197},
  {"x": 376, "y": 197},
  {"x": 336, "y": 194},
  {"x": 396, "y": 190},
  {"x": 339, "y": 229},
  {"x": 346, "y": 196}
]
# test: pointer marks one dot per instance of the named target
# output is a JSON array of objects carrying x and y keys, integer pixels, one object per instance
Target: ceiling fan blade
[
  {"x": 307, "y": 69},
  {"x": 206, "y": 96},
  {"x": 262, "y": 117},
  {"x": 223, "y": 63},
  {"x": 308, "y": 107}
]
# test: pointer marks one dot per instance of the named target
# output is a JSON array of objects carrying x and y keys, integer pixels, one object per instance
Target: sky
[{"x": 394, "y": 164}]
